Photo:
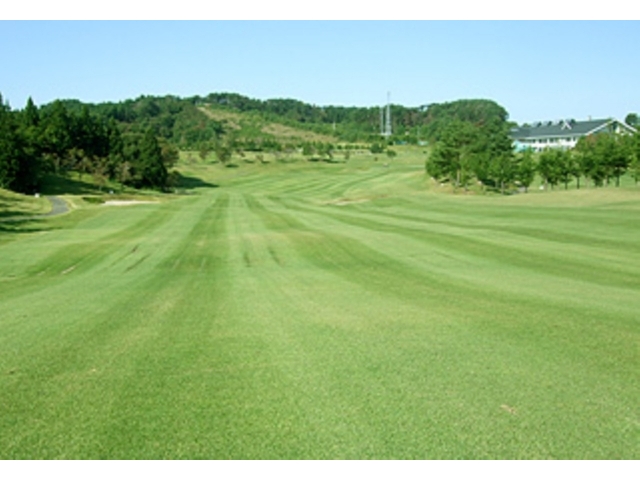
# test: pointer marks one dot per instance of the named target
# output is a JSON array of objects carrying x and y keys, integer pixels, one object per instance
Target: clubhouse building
[{"x": 564, "y": 133}]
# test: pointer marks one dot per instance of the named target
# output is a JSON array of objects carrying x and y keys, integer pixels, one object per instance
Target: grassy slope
[
  {"x": 325, "y": 311},
  {"x": 17, "y": 213},
  {"x": 15, "y": 205}
]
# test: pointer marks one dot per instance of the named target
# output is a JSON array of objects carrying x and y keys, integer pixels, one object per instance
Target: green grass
[
  {"x": 313, "y": 310},
  {"x": 18, "y": 214},
  {"x": 16, "y": 205}
]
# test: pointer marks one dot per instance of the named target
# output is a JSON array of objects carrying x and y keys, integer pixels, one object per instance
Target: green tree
[
  {"x": 634, "y": 152},
  {"x": 634, "y": 169},
  {"x": 376, "y": 148},
  {"x": 56, "y": 135},
  {"x": 115, "y": 150},
  {"x": 565, "y": 166},
  {"x": 325, "y": 150},
  {"x": 30, "y": 131},
  {"x": 18, "y": 170},
  {"x": 478, "y": 112},
  {"x": 223, "y": 151},
  {"x": 170, "y": 154},
  {"x": 9, "y": 149},
  {"x": 496, "y": 147},
  {"x": 631, "y": 119},
  {"x": 124, "y": 174},
  {"x": 503, "y": 170},
  {"x": 548, "y": 167},
  {"x": 308, "y": 149},
  {"x": 603, "y": 156},
  {"x": 30, "y": 115},
  {"x": 204, "y": 150},
  {"x": 525, "y": 169},
  {"x": 437, "y": 164},
  {"x": 99, "y": 173},
  {"x": 453, "y": 155},
  {"x": 585, "y": 157},
  {"x": 616, "y": 156},
  {"x": 151, "y": 170}
]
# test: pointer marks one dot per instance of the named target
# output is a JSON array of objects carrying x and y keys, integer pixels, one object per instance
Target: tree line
[
  {"x": 136, "y": 142},
  {"x": 598, "y": 159},
  {"x": 173, "y": 119},
  {"x": 56, "y": 139},
  {"x": 468, "y": 153}
]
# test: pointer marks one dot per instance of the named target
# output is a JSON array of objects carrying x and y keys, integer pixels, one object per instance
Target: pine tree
[
  {"x": 56, "y": 135},
  {"x": 151, "y": 169},
  {"x": 30, "y": 115},
  {"x": 18, "y": 169},
  {"x": 8, "y": 163}
]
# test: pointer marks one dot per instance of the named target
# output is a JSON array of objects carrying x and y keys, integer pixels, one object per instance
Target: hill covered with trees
[
  {"x": 188, "y": 122},
  {"x": 135, "y": 142}
]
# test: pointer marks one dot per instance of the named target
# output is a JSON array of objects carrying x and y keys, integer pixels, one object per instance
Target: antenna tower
[{"x": 385, "y": 118}]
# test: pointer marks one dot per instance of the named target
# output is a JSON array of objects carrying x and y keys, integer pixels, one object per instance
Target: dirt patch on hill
[
  {"x": 285, "y": 133},
  {"x": 232, "y": 118}
]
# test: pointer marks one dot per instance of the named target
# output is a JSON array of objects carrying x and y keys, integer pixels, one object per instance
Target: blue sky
[{"x": 536, "y": 70}]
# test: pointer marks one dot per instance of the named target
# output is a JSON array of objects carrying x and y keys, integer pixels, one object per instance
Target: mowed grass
[
  {"x": 14, "y": 205},
  {"x": 325, "y": 311}
]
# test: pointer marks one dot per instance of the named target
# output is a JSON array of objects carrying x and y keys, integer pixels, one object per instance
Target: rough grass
[
  {"x": 14, "y": 204},
  {"x": 325, "y": 311},
  {"x": 18, "y": 214}
]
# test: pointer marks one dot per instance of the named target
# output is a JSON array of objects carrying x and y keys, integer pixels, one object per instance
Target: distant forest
[
  {"x": 181, "y": 121},
  {"x": 136, "y": 142}
]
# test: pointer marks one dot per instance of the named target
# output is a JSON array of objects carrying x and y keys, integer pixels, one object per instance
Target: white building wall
[{"x": 565, "y": 143}]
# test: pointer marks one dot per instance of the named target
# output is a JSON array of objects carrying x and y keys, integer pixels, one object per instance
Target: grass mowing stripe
[
  {"x": 82, "y": 255},
  {"x": 255, "y": 323},
  {"x": 44, "y": 311},
  {"x": 514, "y": 249},
  {"x": 513, "y": 339},
  {"x": 524, "y": 291},
  {"x": 91, "y": 353},
  {"x": 599, "y": 228}
]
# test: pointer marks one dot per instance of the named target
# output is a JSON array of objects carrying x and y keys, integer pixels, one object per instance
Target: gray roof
[{"x": 562, "y": 128}]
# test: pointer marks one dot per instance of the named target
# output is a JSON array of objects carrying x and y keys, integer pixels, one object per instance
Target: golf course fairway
[{"x": 324, "y": 311}]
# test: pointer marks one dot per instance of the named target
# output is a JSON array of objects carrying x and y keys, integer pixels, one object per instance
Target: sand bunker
[
  {"x": 122, "y": 203},
  {"x": 347, "y": 201}
]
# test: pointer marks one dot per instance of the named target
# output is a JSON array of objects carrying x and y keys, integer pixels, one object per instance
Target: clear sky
[{"x": 536, "y": 70}]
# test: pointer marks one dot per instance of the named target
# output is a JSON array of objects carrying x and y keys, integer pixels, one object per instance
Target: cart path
[{"x": 58, "y": 206}]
